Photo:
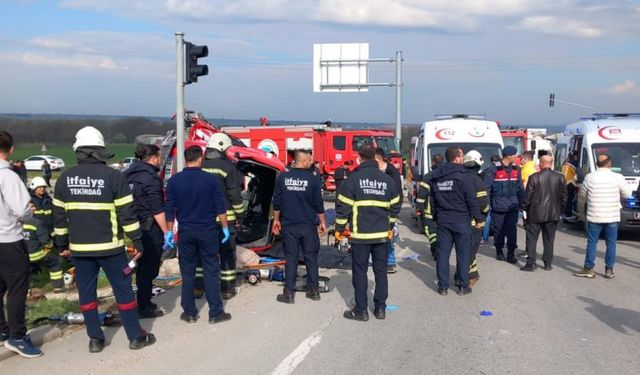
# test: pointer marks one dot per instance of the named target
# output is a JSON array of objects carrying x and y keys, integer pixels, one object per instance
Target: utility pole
[{"x": 179, "y": 101}]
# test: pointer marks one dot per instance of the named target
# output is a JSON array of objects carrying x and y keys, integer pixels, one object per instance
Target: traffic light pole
[{"x": 179, "y": 101}]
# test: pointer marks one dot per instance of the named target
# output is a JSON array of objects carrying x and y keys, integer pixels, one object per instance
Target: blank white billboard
[{"x": 340, "y": 67}]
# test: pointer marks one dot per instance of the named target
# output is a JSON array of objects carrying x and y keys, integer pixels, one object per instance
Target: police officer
[
  {"x": 424, "y": 206},
  {"x": 93, "y": 208},
  {"x": 369, "y": 203},
  {"x": 197, "y": 202},
  {"x": 473, "y": 162},
  {"x": 455, "y": 203},
  {"x": 148, "y": 203},
  {"x": 229, "y": 178},
  {"x": 298, "y": 214},
  {"x": 506, "y": 191}
]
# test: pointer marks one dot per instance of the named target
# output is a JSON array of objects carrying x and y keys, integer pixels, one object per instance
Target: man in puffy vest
[{"x": 506, "y": 192}]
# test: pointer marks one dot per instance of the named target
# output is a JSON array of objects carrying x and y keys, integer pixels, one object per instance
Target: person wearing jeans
[
  {"x": 611, "y": 235},
  {"x": 603, "y": 189},
  {"x": 14, "y": 258}
]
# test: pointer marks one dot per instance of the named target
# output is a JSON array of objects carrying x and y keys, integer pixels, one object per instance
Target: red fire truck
[
  {"x": 527, "y": 139},
  {"x": 332, "y": 146}
]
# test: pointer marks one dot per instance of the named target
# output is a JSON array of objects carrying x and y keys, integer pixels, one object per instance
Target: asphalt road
[{"x": 543, "y": 322}]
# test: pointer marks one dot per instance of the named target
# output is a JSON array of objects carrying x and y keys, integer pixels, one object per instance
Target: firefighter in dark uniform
[
  {"x": 93, "y": 209},
  {"x": 43, "y": 203},
  {"x": 456, "y": 204},
  {"x": 424, "y": 206},
  {"x": 369, "y": 203},
  {"x": 473, "y": 161},
  {"x": 229, "y": 178},
  {"x": 341, "y": 174},
  {"x": 506, "y": 192},
  {"x": 38, "y": 242},
  {"x": 148, "y": 203},
  {"x": 298, "y": 215}
]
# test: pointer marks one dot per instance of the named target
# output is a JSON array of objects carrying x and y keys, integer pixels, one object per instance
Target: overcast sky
[{"x": 498, "y": 57}]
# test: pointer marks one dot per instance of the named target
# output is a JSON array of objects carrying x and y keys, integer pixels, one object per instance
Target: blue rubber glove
[
  {"x": 168, "y": 240},
  {"x": 226, "y": 233}
]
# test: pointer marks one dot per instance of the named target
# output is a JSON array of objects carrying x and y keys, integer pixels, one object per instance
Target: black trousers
[
  {"x": 505, "y": 224},
  {"x": 149, "y": 265},
  {"x": 571, "y": 196},
  {"x": 448, "y": 235},
  {"x": 300, "y": 240},
  {"x": 548, "y": 237},
  {"x": 360, "y": 253},
  {"x": 228, "y": 260},
  {"x": 14, "y": 283}
]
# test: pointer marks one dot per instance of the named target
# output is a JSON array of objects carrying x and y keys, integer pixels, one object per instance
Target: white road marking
[{"x": 289, "y": 364}]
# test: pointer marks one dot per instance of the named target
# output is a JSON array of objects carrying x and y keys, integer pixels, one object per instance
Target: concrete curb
[{"x": 39, "y": 336}]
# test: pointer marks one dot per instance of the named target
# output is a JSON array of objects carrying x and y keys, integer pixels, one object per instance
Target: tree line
[{"x": 61, "y": 131}]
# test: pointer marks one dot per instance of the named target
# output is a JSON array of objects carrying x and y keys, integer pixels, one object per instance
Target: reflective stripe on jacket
[
  {"x": 93, "y": 209},
  {"x": 369, "y": 202}
]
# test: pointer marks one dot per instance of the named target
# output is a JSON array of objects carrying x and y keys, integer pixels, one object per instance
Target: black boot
[
  {"x": 146, "y": 339},
  {"x": 313, "y": 293},
  {"x": 379, "y": 313},
  {"x": 96, "y": 345},
  {"x": 354, "y": 314},
  {"x": 529, "y": 267},
  {"x": 286, "y": 296},
  {"x": 547, "y": 266},
  {"x": 499, "y": 255}
]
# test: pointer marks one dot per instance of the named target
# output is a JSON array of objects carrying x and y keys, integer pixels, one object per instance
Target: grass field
[{"x": 66, "y": 153}]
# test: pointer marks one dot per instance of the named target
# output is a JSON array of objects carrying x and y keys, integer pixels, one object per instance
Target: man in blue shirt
[
  {"x": 298, "y": 213},
  {"x": 195, "y": 200}
]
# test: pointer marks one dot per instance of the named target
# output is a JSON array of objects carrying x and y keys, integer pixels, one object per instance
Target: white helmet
[
  {"x": 473, "y": 157},
  {"x": 88, "y": 137},
  {"x": 219, "y": 141},
  {"x": 36, "y": 182}
]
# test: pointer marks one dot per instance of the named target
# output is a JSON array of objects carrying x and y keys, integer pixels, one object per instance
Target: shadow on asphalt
[{"x": 621, "y": 319}]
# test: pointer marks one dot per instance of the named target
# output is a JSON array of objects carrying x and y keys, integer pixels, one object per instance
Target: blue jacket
[
  {"x": 146, "y": 186},
  {"x": 195, "y": 199},
  {"x": 454, "y": 195},
  {"x": 298, "y": 197},
  {"x": 505, "y": 187}
]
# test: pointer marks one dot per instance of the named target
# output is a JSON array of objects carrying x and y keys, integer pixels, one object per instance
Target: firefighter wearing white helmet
[
  {"x": 93, "y": 209},
  {"x": 230, "y": 182},
  {"x": 39, "y": 231},
  {"x": 473, "y": 161}
]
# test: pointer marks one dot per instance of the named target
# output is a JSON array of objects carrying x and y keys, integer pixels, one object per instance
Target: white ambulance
[
  {"x": 469, "y": 132},
  {"x": 617, "y": 135}
]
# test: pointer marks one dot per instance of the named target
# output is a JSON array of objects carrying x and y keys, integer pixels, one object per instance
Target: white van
[
  {"x": 469, "y": 132},
  {"x": 617, "y": 135}
]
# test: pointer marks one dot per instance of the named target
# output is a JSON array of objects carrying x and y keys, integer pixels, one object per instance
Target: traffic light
[
  {"x": 193, "y": 70},
  {"x": 552, "y": 99}
]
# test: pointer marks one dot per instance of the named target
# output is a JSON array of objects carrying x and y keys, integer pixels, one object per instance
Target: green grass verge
[
  {"x": 47, "y": 307},
  {"x": 66, "y": 153}
]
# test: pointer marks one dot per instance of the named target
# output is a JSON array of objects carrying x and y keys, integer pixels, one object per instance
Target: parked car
[
  {"x": 123, "y": 164},
  {"x": 34, "y": 163}
]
